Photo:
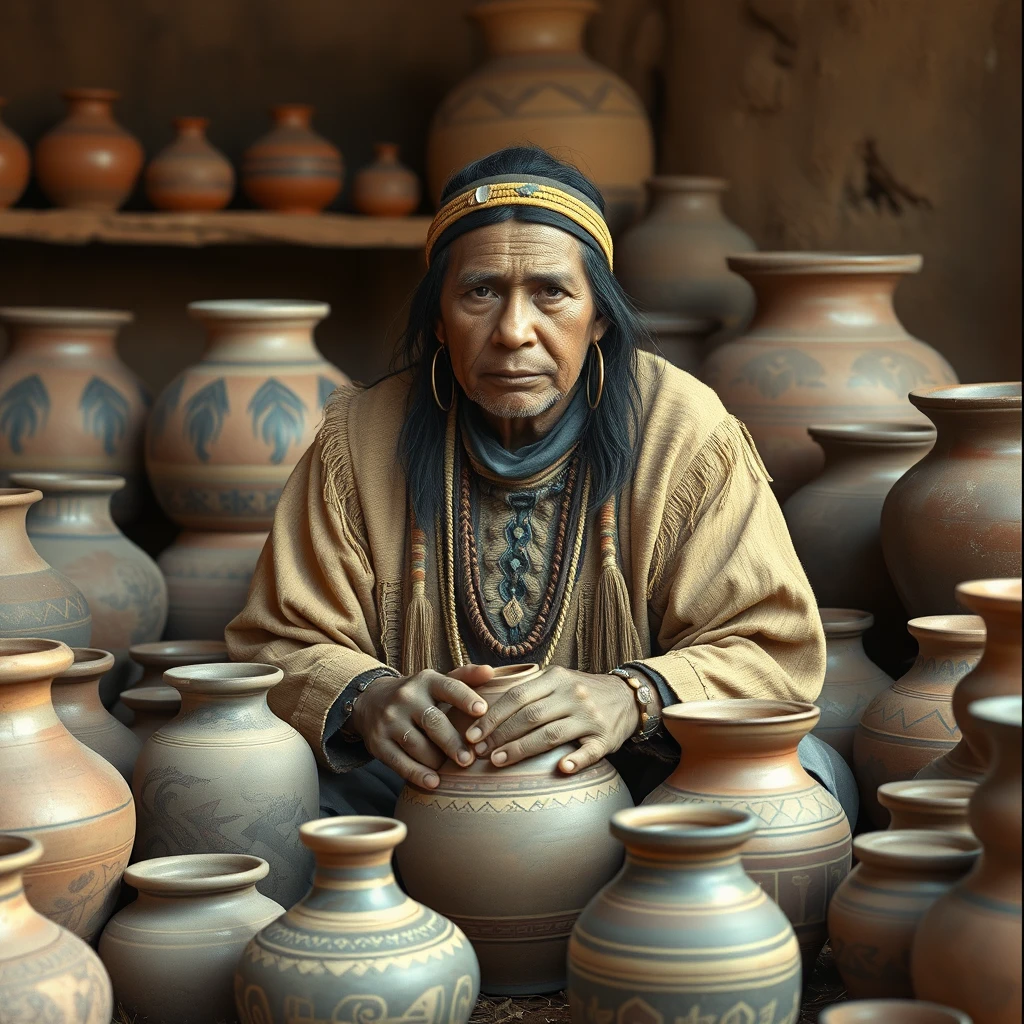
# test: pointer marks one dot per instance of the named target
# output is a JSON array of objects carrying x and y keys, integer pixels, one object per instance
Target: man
[{"x": 531, "y": 488}]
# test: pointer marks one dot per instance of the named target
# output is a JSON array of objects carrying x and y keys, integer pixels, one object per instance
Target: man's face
[{"x": 517, "y": 316}]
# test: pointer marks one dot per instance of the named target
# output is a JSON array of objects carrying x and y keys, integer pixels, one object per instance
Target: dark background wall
[{"x": 883, "y": 125}]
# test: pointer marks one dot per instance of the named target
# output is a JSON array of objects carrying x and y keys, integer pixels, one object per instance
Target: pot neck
[
  {"x": 17, "y": 555},
  {"x": 292, "y": 115},
  {"x": 258, "y": 340},
  {"x": 385, "y": 153},
  {"x": 252, "y": 701},
  {"x": 73, "y": 514},
  {"x": 31, "y": 703},
  {"x": 83, "y": 694},
  {"x": 514, "y": 27},
  {"x": 741, "y": 744},
  {"x": 847, "y": 647},
  {"x": 873, "y": 455},
  {"x": 63, "y": 341},
  {"x": 88, "y": 104},
  {"x": 20, "y": 923},
  {"x": 191, "y": 127},
  {"x": 999, "y": 832},
  {"x": 680, "y": 199},
  {"x": 355, "y": 884},
  {"x": 997, "y": 431}
]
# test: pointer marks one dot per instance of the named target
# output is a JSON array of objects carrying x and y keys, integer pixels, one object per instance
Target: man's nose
[{"x": 516, "y": 326}]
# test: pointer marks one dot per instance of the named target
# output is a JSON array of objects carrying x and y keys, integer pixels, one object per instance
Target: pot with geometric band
[
  {"x": 386, "y": 187},
  {"x": 875, "y": 912},
  {"x": 911, "y": 723},
  {"x": 891, "y": 1011},
  {"x": 47, "y": 974},
  {"x": 59, "y": 791},
  {"x": 683, "y": 933},
  {"x": 355, "y": 948},
  {"x": 927, "y": 803},
  {"x": 742, "y": 754},
  {"x": 825, "y": 346},
  {"x": 528, "y": 844},
  {"x": 151, "y": 708},
  {"x": 226, "y": 775},
  {"x": 190, "y": 174}
]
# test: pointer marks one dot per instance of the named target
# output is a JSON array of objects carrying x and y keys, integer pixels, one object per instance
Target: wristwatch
[{"x": 649, "y": 724}]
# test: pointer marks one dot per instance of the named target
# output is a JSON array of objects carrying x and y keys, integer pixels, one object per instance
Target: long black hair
[{"x": 608, "y": 444}]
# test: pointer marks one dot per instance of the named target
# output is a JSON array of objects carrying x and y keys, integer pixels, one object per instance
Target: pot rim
[
  {"x": 789, "y": 712},
  {"x": 153, "y": 699},
  {"x": 957, "y": 629},
  {"x": 987, "y": 395},
  {"x": 353, "y": 834},
  {"x": 90, "y": 663},
  {"x": 917, "y": 849},
  {"x": 992, "y": 595},
  {"x": 801, "y": 262},
  {"x": 1004, "y": 710},
  {"x": 224, "y": 678},
  {"x": 69, "y": 483},
  {"x": 176, "y": 653},
  {"x": 18, "y": 852},
  {"x": 678, "y": 323},
  {"x": 688, "y": 183},
  {"x": 90, "y": 92},
  {"x": 33, "y": 659},
  {"x": 845, "y": 621},
  {"x": 700, "y": 826},
  {"x": 948, "y": 795},
  {"x": 258, "y": 310},
  {"x": 16, "y": 497},
  {"x": 891, "y": 1011},
  {"x": 65, "y": 316},
  {"x": 895, "y": 433},
  {"x": 191, "y": 874}
]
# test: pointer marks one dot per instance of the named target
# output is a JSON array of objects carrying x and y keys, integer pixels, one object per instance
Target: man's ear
[
  {"x": 440, "y": 333},
  {"x": 600, "y": 327}
]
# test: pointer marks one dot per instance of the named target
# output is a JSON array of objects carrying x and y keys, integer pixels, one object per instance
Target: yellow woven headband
[{"x": 540, "y": 192}]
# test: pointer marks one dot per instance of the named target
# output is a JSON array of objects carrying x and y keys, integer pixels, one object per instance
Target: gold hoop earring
[
  {"x": 433, "y": 382},
  {"x": 599, "y": 356}
]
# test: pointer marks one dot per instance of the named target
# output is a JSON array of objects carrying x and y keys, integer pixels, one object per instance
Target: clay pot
[
  {"x": 14, "y": 165},
  {"x": 875, "y": 912},
  {"x": 227, "y": 776},
  {"x": 73, "y": 530},
  {"x": 46, "y": 973},
  {"x": 742, "y": 754},
  {"x": 680, "y": 339},
  {"x": 674, "y": 259},
  {"x": 385, "y": 187},
  {"x": 190, "y": 173},
  {"x": 529, "y": 845},
  {"x": 998, "y": 673},
  {"x": 538, "y": 84},
  {"x": 852, "y": 679},
  {"x": 355, "y": 947},
  {"x": 927, "y": 803},
  {"x": 956, "y": 515},
  {"x": 88, "y": 161},
  {"x": 967, "y": 952},
  {"x": 76, "y": 699},
  {"x": 911, "y": 723},
  {"x": 291, "y": 169},
  {"x": 172, "y": 953},
  {"x": 825, "y": 346},
  {"x": 67, "y": 403},
  {"x": 724, "y": 949},
  {"x": 35, "y": 599},
  {"x": 151, "y": 708},
  {"x": 82, "y": 810},
  {"x": 891, "y": 1011}
]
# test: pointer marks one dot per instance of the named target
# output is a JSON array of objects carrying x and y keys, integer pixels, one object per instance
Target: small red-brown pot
[
  {"x": 14, "y": 164},
  {"x": 190, "y": 174},
  {"x": 385, "y": 187}
]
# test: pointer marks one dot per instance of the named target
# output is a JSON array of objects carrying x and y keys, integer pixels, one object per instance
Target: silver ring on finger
[{"x": 430, "y": 715}]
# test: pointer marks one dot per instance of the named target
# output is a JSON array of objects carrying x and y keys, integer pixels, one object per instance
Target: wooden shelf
[{"x": 226, "y": 227}]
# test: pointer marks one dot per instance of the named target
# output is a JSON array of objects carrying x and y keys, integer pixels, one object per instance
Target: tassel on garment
[
  {"x": 614, "y": 637},
  {"x": 418, "y": 635}
]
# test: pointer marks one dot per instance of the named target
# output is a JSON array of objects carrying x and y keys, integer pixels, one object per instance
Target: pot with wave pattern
[
  {"x": 512, "y": 855},
  {"x": 47, "y": 974},
  {"x": 227, "y": 776},
  {"x": 927, "y": 803},
  {"x": 57, "y": 790},
  {"x": 742, "y": 754},
  {"x": 825, "y": 346},
  {"x": 683, "y": 933},
  {"x": 355, "y": 948},
  {"x": 911, "y": 723},
  {"x": 67, "y": 403}
]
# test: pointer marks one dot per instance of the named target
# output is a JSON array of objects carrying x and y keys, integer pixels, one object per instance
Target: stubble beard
[{"x": 517, "y": 406}]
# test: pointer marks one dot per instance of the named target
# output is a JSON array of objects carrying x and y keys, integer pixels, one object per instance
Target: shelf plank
[{"x": 224, "y": 227}]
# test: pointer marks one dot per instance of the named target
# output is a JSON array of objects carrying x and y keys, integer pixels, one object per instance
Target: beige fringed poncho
[{"x": 721, "y": 605}]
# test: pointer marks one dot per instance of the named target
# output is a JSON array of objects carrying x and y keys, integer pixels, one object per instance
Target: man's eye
[
  {"x": 553, "y": 292},
  {"x": 481, "y": 292}
]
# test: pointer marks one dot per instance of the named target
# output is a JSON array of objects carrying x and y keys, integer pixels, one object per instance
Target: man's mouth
[{"x": 515, "y": 376}]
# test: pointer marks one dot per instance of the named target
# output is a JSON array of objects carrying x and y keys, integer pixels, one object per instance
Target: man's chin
[{"x": 523, "y": 405}]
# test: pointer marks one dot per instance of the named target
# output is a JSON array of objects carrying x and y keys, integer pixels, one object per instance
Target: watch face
[{"x": 644, "y": 694}]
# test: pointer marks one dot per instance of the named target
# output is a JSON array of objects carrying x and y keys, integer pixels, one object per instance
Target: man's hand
[
  {"x": 401, "y": 724},
  {"x": 556, "y": 707}
]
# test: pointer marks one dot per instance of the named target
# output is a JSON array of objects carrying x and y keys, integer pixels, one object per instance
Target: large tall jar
[
  {"x": 59, "y": 791},
  {"x": 967, "y": 951},
  {"x": 997, "y": 674},
  {"x": 825, "y": 346},
  {"x": 912, "y": 722},
  {"x": 73, "y": 530},
  {"x": 538, "y": 86},
  {"x": 35, "y": 599},
  {"x": 67, "y": 403},
  {"x": 355, "y": 948},
  {"x": 742, "y": 754},
  {"x": 47, "y": 975},
  {"x": 673, "y": 261},
  {"x": 683, "y": 929},
  {"x": 227, "y": 776},
  {"x": 956, "y": 515},
  {"x": 529, "y": 846}
]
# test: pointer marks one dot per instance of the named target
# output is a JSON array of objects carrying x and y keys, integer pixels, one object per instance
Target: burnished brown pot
[
  {"x": 852, "y": 679},
  {"x": 529, "y": 846},
  {"x": 875, "y": 912},
  {"x": 742, "y": 754},
  {"x": 291, "y": 169},
  {"x": 60, "y": 791},
  {"x": 47, "y": 974},
  {"x": 226, "y": 775},
  {"x": 673, "y": 260},
  {"x": 76, "y": 699},
  {"x": 151, "y": 708},
  {"x": 190, "y": 173},
  {"x": 927, "y": 803},
  {"x": 14, "y": 164},
  {"x": 956, "y": 514},
  {"x": 891, "y": 1011},
  {"x": 825, "y": 346},
  {"x": 538, "y": 85},
  {"x": 172, "y": 953},
  {"x": 385, "y": 187},
  {"x": 683, "y": 933},
  {"x": 35, "y": 599},
  {"x": 88, "y": 161},
  {"x": 980, "y": 972},
  {"x": 912, "y": 722},
  {"x": 356, "y": 948}
]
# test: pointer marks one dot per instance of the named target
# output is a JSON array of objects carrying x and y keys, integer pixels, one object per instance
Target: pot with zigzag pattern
[{"x": 742, "y": 754}]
